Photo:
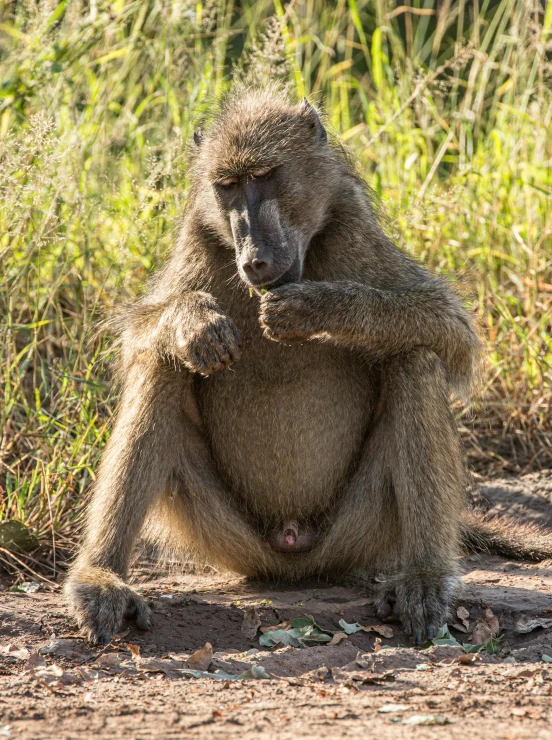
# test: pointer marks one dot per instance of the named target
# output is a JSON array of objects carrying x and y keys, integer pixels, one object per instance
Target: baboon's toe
[
  {"x": 100, "y": 600},
  {"x": 139, "y": 611},
  {"x": 384, "y": 602}
]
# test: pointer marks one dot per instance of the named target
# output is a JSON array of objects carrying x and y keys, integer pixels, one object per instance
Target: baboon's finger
[
  {"x": 228, "y": 347},
  {"x": 204, "y": 360}
]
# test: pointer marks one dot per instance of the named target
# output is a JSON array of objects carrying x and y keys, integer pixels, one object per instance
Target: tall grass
[{"x": 447, "y": 105}]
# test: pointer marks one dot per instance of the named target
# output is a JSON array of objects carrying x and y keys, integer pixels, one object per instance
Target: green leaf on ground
[
  {"x": 350, "y": 629},
  {"x": 443, "y": 637},
  {"x": 28, "y": 587},
  {"x": 381, "y": 629},
  {"x": 15, "y": 536},
  {"x": 302, "y": 630}
]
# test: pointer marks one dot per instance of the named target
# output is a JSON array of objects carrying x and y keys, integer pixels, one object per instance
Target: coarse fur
[{"x": 288, "y": 364}]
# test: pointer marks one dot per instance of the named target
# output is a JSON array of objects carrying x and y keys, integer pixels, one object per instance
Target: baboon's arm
[{"x": 381, "y": 322}]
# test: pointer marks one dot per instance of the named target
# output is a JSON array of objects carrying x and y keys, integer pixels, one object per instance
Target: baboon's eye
[
  {"x": 227, "y": 182},
  {"x": 264, "y": 174}
]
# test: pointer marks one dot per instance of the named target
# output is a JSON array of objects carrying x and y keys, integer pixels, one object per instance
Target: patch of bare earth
[{"x": 53, "y": 685}]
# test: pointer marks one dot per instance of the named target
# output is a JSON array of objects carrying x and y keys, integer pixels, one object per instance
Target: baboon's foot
[
  {"x": 100, "y": 600},
  {"x": 292, "y": 537},
  {"x": 422, "y": 601}
]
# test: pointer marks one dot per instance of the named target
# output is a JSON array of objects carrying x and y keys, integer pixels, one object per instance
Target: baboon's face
[
  {"x": 270, "y": 248},
  {"x": 269, "y": 188}
]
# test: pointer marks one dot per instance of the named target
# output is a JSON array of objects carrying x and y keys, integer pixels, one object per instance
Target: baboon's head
[{"x": 262, "y": 169}]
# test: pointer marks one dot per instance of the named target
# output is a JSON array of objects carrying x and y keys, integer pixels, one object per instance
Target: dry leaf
[
  {"x": 468, "y": 659},
  {"x": 527, "y": 673},
  {"x": 382, "y": 629},
  {"x": 55, "y": 675},
  {"x": 388, "y": 708},
  {"x": 427, "y": 719},
  {"x": 12, "y": 651},
  {"x": 112, "y": 662},
  {"x": 170, "y": 668},
  {"x": 64, "y": 647},
  {"x": 481, "y": 634},
  {"x": 527, "y": 624},
  {"x": 337, "y": 638},
  {"x": 460, "y": 627},
  {"x": 375, "y": 678},
  {"x": 86, "y": 674},
  {"x": 134, "y": 649},
  {"x": 201, "y": 659},
  {"x": 36, "y": 661},
  {"x": 282, "y": 626},
  {"x": 251, "y": 622},
  {"x": 492, "y": 621},
  {"x": 464, "y": 616}
]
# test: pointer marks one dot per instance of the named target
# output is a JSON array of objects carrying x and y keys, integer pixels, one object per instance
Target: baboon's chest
[{"x": 287, "y": 424}]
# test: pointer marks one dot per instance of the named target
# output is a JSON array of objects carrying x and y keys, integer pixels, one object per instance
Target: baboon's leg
[
  {"x": 408, "y": 493},
  {"x": 156, "y": 439}
]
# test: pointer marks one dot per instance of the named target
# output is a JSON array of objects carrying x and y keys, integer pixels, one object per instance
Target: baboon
[{"x": 285, "y": 386}]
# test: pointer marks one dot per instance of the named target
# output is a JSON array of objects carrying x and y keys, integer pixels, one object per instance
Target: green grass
[{"x": 449, "y": 113}]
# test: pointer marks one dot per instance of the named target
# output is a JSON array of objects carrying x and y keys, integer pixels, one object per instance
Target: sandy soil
[{"x": 69, "y": 690}]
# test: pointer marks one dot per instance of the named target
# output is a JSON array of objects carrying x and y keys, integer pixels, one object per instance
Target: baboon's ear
[
  {"x": 309, "y": 112},
  {"x": 198, "y": 137}
]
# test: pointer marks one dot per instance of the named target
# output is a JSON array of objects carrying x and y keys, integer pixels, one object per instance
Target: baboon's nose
[{"x": 256, "y": 270}]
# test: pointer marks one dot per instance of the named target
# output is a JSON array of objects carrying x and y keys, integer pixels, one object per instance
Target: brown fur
[{"x": 342, "y": 422}]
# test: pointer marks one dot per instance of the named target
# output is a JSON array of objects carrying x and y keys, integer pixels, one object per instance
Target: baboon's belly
[{"x": 285, "y": 442}]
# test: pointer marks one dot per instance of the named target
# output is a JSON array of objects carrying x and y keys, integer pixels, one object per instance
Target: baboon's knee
[{"x": 421, "y": 362}]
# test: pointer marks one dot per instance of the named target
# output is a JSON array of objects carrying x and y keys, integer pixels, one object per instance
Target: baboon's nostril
[{"x": 255, "y": 267}]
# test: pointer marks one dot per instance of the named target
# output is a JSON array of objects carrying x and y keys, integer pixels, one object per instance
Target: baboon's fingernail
[
  {"x": 430, "y": 634},
  {"x": 419, "y": 637},
  {"x": 106, "y": 639}
]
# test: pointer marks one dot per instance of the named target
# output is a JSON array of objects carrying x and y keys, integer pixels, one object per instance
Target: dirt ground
[{"x": 53, "y": 685}]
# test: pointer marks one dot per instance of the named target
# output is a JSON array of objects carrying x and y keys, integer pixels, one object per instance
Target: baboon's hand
[
  {"x": 421, "y": 601},
  {"x": 294, "y": 312},
  {"x": 209, "y": 347},
  {"x": 100, "y": 601}
]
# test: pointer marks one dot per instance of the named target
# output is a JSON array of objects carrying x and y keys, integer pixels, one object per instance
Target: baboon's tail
[{"x": 504, "y": 536}]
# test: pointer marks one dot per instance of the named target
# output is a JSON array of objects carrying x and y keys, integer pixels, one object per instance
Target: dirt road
[{"x": 53, "y": 685}]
